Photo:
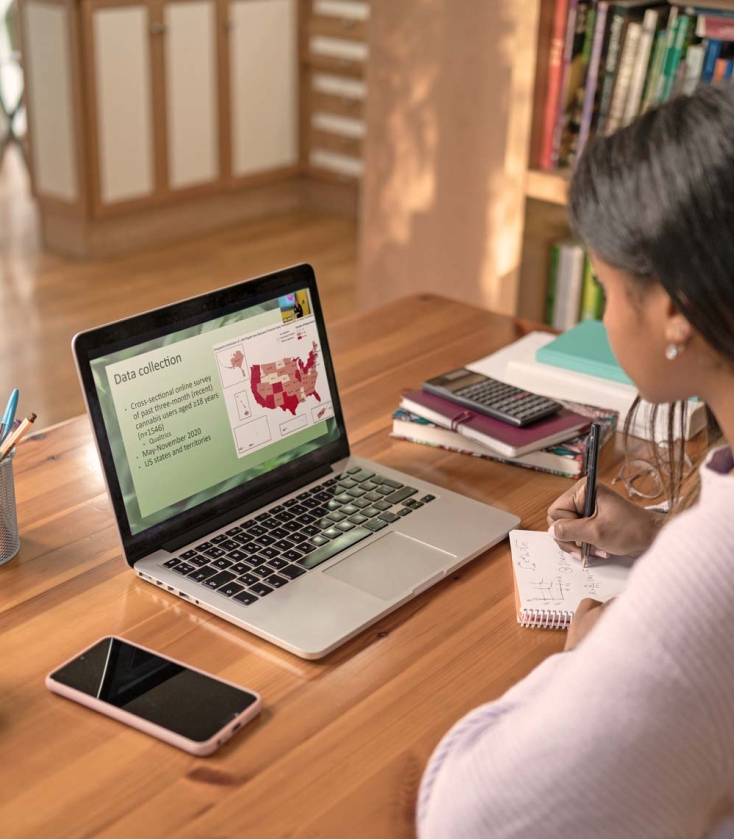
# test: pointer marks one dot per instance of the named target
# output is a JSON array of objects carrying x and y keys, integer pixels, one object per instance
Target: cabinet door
[
  {"x": 123, "y": 102},
  {"x": 263, "y": 85},
  {"x": 191, "y": 93}
]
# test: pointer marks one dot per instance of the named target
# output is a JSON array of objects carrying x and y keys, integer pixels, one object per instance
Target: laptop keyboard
[{"x": 266, "y": 552}]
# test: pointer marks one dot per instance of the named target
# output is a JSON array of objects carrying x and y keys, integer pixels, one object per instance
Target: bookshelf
[{"x": 546, "y": 191}]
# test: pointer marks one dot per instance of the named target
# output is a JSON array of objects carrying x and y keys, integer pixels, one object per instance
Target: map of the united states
[{"x": 286, "y": 383}]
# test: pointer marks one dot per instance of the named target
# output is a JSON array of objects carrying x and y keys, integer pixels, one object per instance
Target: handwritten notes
[{"x": 550, "y": 581}]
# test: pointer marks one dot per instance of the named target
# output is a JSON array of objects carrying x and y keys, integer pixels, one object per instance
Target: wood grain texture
[{"x": 341, "y": 745}]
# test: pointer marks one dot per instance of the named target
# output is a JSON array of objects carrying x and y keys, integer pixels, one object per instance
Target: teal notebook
[{"x": 585, "y": 349}]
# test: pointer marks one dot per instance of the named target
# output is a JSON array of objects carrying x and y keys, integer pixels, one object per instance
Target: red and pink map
[{"x": 285, "y": 384}]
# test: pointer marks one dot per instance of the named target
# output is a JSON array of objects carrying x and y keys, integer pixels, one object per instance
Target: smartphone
[{"x": 167, "y": 699}]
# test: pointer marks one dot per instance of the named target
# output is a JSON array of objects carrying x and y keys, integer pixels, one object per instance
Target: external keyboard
[{"x": 266, "y": 552}]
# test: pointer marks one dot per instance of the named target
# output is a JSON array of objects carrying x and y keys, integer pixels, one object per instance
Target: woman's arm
[{"x": 632, "y": 734}]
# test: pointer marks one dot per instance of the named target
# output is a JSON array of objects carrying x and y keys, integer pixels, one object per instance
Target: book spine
[
  {"x": 713, "y": 51},
  {"x": 720, "y": 69},
  {"x": 592, "y": 77},
  {"x": 570, "y": 282},
  {"x": 642, "y": 65},
  {"x": 564, "y": 94},
  {"x": 555, "y": 70},
  {"x": 550, "y": 300},
  {"x": 616, "y": 33},
  {"x": 585, "y": 29},
  {"x": 624, "y": 77},
  {"x": 669, "y": 44},
  {"x": 656, "y": 69},
  {"x": 694, "y": 67},
  {"x": 592, "y": 299},
  {"x": 721, "y": 28},
  {"x": 673, "y": 58},
  {"x": 729, "y": 70}
]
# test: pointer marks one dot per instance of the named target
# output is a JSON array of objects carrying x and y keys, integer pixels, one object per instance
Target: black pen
[{"x": 592, "y": 469}]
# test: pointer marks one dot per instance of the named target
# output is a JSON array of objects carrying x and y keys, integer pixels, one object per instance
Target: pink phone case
[{"x": 191, "y": 746}]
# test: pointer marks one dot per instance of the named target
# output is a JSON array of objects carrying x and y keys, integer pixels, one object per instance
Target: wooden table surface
[{"x": 341, "y": 744}]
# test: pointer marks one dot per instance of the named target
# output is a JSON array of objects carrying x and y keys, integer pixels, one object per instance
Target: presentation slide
[{"x": 213, "y": 406}]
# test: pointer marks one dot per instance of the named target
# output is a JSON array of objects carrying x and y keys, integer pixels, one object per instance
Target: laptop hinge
[{"x": 245, "y": 509}]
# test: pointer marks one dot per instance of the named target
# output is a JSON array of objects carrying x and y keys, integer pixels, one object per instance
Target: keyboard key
[
  {"x": 171, "y": 563},
  {"x": 237, "y": 555},
  {"x": 357, "y": 492},
  {"x": 214, "y": 553},
  {"x": 269, "y": 553},
  {"x": 369, "y": 486},
  {"x": 291, "y": 572},
  {"x": 354, "y": 470},
  {"x": 373, "y": 496},
  {"x": 401, "y": 495},
  {"x": 228, "y": 545},
  {"x": 184, "y": 568},
  {"x": 347, "y": 483},
  {"x": 345, "y": 526},
  {"x": 341, "y": 543},
  {"x": 291, "y": 526},
  {"x": 361, "y": 503},
  {"x": 202, "y": 574},
  {"x": 376, "y": 524},
  {"x": 278, "y": 562},
  {"x": 220, "y": 579},
  {"x": 263, "y": 571},
  {"x": 231, "y": 589},
  {"x": 334, "y": 505},
  {"x": 261, "y": 589},
  {"x": 370, "y": 512},
  {"x": 311, "y": 530},
  {"x": 265, "y": 540},
  {"x": 298, "y": 509},
  {"x": 297, "y": 538},
  {"x": 320, "y": 540},
  {"x": 283, "y": 545},
  {"x": 217, "y": 539},
  {"x": 362, "y": 475},
  {"x": 257, "y": 530},
  {"x": 336, "y": 516},
  {"x": 286, "y": 516},
  {"x": 222, "y": 563},
  {"x": 204, "y": 545},
  {"x": 414, "y": 505},
  {"x": 384, "y": 490},
  {"x": 245, "y": 597},
  {"x": 331, "y": 533},
  {"x": 262, "y": 516},
  {"x": 277, "y": 582},
  {"x": 427, "y": 498},
  {"x": 324, "y": 523},
  {"x": 233, "y": 531},
  {"x": 302, "y": 496},
  {"x": 343, "y": 498},
  {"x": 199, "y": 561},
  {"x": 240, "y": 568},
  {"x": 270, "y": 523},
  {"x": 330, "y": 482},
  {"x": 387, "y": 516},
  {"x": 279, "y": 533},
  {"x": 324, "y": 497},
  {"x": 307, "y": 547},
  {"x": 382, "y": 505},
  {"x": 242, "y": 538},
  {"x": 310, "y": 503},
  {"x": 358, "y": 518},
  {"x": 291, "y": 502},
  {"x": 342, "y": 476},
  {"x": 248, "y": 579},
  {"x": 251, "y": 548},
  {"x": 188, "y": 554},
  {"x": 292, "y": 556},
  {"x": 393, "y": 484},
  {"x": 349, "y": 509},
  {"x": 254, "y": 561},
  {"x": 278, "y": 509}
]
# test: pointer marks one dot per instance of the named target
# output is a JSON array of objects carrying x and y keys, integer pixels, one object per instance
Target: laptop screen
[{"x": 204, "y": 407}]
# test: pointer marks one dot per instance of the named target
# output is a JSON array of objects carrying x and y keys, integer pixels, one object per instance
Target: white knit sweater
[{"x": 632, "y": 734}]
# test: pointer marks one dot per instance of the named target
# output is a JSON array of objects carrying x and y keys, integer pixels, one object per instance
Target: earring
[{"x": 672, "y": 351}]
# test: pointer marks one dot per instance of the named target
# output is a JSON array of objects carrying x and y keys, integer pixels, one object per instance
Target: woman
[{"x": 632, "y": 734}]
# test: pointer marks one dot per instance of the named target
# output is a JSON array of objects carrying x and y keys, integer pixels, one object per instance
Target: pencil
[{"x": 16, "y": 436}]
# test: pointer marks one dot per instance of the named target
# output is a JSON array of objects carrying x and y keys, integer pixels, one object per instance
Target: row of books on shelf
[
  {"x": 611, "y": 61},
  {"x": 573, "y": 293}
]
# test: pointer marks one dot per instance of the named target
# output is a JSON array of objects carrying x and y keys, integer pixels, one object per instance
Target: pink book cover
[{"x": 495, "y": 430}]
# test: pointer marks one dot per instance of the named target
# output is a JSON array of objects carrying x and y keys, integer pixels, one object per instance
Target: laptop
[{"x": 221, "y": 436}]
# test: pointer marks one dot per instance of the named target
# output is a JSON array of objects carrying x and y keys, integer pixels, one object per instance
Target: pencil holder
[{"x": 9, "y": 540}]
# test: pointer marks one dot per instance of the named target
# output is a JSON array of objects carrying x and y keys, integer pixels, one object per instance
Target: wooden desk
[{"x": 341, "y": 744}]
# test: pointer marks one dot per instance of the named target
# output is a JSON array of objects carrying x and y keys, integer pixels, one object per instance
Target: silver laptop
[{"x": 222, "y": 440}]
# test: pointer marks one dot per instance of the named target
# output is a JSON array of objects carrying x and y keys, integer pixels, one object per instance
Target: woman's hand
[
  {"x": 617, "y": 526},
  {"x": 587, "y": 614}
]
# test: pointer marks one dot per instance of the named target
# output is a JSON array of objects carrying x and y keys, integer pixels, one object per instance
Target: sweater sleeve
[{"x": 631, "y": 735}]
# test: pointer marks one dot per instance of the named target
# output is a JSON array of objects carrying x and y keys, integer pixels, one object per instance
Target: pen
[
  {"x": 592, "y": 468},
  {"x": 16, "y": 436},
  {"x": 9, "y": 414}
]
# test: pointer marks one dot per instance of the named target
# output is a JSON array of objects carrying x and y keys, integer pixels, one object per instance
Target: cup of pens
[{"x": 12, "y": 432}]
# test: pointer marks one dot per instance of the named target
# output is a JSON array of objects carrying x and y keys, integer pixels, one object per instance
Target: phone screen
[{"x": 155, "y": 689}]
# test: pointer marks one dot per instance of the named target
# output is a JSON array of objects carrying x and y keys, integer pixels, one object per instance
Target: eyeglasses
[{"x": 643, "y": 479}]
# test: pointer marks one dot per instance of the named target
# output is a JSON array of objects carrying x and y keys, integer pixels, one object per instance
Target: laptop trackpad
[{"x": 391, "y": 566}]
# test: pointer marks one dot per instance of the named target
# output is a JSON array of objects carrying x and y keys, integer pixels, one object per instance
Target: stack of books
[
  {"x": 556, "y": 445},
  {"x": 573, "y": 293},
  {"x": 611, "y": 61}
]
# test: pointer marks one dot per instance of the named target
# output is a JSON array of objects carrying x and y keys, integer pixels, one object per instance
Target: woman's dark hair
[{"x": 656, "y": 201}]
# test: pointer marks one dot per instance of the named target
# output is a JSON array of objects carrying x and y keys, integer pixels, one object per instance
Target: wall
[{"x": 450, "y": 91}]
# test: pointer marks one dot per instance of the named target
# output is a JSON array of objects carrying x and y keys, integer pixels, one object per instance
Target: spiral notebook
[{"x": 550, "y": 584}]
